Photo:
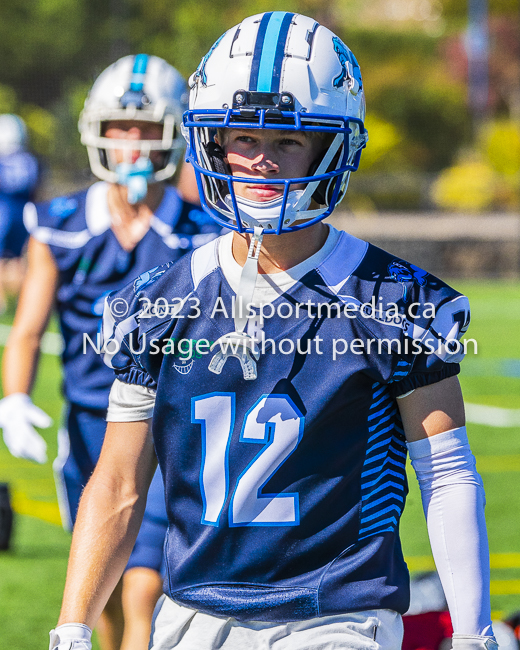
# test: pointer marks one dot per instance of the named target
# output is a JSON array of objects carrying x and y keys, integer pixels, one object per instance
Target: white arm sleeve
[
  {"x": 453, "y": 501},
  {"x": 130, "y": 402}
]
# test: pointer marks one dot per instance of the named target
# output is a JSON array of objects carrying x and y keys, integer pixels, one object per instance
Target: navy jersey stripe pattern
[
  {"x": 383, "y": 479},
  {"x": 402, "y": 370}
]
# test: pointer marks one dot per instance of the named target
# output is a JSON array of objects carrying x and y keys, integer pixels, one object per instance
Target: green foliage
[
  {"x": 42, "y": 127},
  {"x": 500, "y": 141},
  {"x": 56, "y": 48},
  {"x": 40, "y": 37},
  {"x": 7, "y": 99},
  {"x": 410, "y": 88},
  {"x": 457, "y": 9},
  {"x": 466, "y": 187},
  {"x": 488, "y": 176},
  {"x": 383, "y": 137}
]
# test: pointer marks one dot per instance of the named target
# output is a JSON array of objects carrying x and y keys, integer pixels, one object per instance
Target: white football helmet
[
  {"x": 143, "y": 88},
  {"x": 13, "y": 134},
  {"x": 276, "y": 70}
]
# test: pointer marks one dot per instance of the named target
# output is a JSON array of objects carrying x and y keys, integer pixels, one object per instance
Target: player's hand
[
  {"x": 71, "y": 636},
  {"x": 472, "y": 642},
  {"x": 17, "y": 416}
]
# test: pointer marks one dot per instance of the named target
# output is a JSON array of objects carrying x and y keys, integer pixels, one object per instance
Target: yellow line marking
[
  {"x": 492, "y": 464},
  {"x": 505, "y": 587},
  {"x": 40, "y": 509},
  {"x": 420, "y": 563},
  {"x": 497, "y": 561},
  {"x": 505, "y": 560}
]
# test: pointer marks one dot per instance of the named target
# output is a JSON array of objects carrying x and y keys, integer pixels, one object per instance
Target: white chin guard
[{"x": 267, "y": 213}]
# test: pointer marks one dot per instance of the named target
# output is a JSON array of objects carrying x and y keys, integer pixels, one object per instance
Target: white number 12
[{"x": 274, "y": 421}]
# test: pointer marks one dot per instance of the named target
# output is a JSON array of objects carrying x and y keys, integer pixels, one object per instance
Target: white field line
[{"x": 493, "y": 416}]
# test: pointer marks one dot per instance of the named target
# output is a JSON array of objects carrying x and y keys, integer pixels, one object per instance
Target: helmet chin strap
[
  {"x": 239, "y": 344},
  {"x": 135, "y": 177},
  {"x": 265, "y": 214}
]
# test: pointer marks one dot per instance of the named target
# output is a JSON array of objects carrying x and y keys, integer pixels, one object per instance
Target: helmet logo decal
[
  {"x": 200, "y": 72},
  {"x": 149, "y": 277},
  {"x": 345, "y": 56},
  {"x": 266, "y": 68}
]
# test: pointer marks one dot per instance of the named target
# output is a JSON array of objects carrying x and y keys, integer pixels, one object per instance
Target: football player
[
  {"x": 19, "y": 177},
  {"x": 313, "y": 366},
  {"x": 82, "y": 246}
]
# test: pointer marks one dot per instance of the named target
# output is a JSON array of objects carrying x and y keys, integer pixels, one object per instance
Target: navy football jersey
[
  {"x": 92, "y": 262},
  {"x": 284, "y": 493}
]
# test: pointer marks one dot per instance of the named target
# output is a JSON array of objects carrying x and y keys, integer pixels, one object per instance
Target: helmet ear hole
[
  {"x": 103, "y": 158},
  {"x": 216, "y": 157},
  {"x": 322, "y": 193}
]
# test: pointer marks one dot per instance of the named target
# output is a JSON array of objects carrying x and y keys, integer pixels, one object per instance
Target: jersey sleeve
[
  {"x": 432, "y": 351},
  {"x": 133, "y": 336},
  {"x": 121, "y": 331},
  {"x": 420, "y": 317},
  {"x": 60, "y": 223}
]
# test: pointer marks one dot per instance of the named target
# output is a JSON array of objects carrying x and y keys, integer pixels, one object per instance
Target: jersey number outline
[{"x": 274, "y": 421}]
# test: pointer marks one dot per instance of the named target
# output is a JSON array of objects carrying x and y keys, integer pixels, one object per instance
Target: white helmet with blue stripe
[
  {"x": 143, "y": 88},
  {"x": 276, "y": 70}
]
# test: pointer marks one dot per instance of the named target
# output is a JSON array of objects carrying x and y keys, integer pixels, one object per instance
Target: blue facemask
[{"x": 135, "y": 177}]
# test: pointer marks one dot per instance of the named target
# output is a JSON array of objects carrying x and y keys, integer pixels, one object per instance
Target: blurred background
[
  {"x": 438, "y": 184},
  {"x": 442, "y": 80}
]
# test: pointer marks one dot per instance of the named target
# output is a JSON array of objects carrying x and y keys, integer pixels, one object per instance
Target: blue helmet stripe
[
  {"x": 138, "y": 72},
  {"x": 280, "y": 51},
  {"x": 257, "y": 54},
  {"x": 269, "y": 51}
]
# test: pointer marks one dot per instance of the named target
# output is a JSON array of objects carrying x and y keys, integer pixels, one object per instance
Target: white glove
[
  {"x": 17, "y": 415},
  {"x": 473, "y": 642},
  {"x": 71, "y": 636}
]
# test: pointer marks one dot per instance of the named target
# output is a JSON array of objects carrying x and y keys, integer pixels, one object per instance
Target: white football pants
[{"x": 181, "y": 628}]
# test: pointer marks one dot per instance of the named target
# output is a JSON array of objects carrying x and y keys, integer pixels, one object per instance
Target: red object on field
[{"x": 426, "y": 631}]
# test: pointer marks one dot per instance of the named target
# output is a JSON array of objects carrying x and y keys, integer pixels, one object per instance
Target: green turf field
[{"x": 33, "y": 572}]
